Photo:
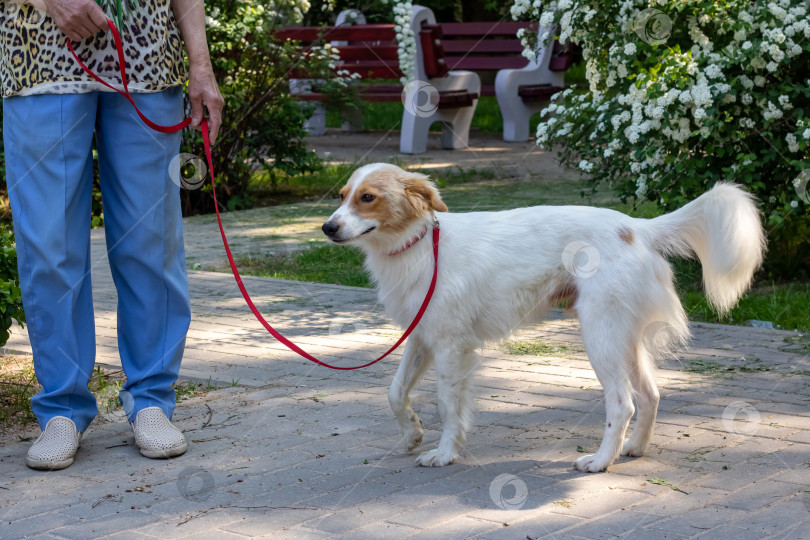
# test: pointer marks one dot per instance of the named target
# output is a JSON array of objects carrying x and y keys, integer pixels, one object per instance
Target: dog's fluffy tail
[{"x": 722, "y": 227}]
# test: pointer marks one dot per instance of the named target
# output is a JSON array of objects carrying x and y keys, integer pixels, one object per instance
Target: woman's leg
[
  {"x": 49, "y": 174},
  {"x": 144, "y": 233}
]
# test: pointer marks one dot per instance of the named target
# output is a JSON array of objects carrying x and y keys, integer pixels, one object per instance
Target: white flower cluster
[
  {"x": 406, "y": 40},
  {"x": 681, "y": 96},
  {"x": 289, "y": 11},
  {"x": 330, "y": 56}
]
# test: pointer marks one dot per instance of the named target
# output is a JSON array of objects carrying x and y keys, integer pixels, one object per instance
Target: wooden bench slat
[
  {"x": 368, "y": 51},
  {"x": 473, "y": 46},
  {"x": 561, "y": 57},
  {"x": 538, "y": 92},
  {"x": 373, "y": 69},
  {"x": 433, "y": 51},
  {"x": 366, "y": 69},
  {"x": 506, "y": 28},
  {"x": 486, "y": 63},
  {"x": 384, "y": 93},
  {"x": 365, "y": 32}
]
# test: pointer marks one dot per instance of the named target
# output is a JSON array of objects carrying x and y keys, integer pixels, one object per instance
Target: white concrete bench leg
[
  {"x": 414, "y": 134},
  {"x": 315, "y": 126},
  {"x": 353, "y": 121},
  {"x": 455, "y": 122},
  {"x": 456, "y": 126},
  {"x": 515, "y": 112}
]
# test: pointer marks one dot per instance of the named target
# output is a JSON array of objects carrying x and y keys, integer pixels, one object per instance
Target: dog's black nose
[{"x": 330, "y": 228}]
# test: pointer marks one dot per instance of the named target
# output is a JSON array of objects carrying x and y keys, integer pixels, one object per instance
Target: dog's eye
[
  {"x": 341, "y": 196},
  {"x": 367, "y": 197}
]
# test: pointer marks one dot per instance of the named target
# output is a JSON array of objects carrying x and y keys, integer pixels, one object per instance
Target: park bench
[
  {"x": 445, "y": 86},
  {"x": 521, "y": 86},
  {"x": 370, "y": 50}
]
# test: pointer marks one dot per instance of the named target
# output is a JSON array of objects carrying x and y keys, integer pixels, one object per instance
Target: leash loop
[{"x": 207, "y": 147}]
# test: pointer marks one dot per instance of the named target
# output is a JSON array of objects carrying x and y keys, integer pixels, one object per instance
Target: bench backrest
[
  {"x": 369, "y": 50},
  {"x": 487, "y": 46}
]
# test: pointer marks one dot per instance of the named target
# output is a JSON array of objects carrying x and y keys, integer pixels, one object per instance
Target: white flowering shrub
[
  {"x": 262, "y": 125},
  {"x": 683, "y": 94}
]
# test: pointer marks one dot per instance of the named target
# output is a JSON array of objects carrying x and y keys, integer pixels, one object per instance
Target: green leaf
[{"x": 661, "y": 482}]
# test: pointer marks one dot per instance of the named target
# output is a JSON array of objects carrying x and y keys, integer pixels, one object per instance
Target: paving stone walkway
[{"x": 287, "y": 449}]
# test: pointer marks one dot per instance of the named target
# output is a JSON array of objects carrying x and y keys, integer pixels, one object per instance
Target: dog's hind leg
[
  {"x": 415, "y": 361},
  {"x": 454, "y": 370},
  {"x": 647, "y": 398},
  {"x": 608, "y": 351}
]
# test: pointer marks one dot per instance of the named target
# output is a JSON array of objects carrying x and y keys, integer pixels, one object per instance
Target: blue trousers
[{"x": 49, "y": 174}]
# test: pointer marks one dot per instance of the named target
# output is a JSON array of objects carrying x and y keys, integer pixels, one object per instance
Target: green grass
[
  {"x": 338, "y": 265},
  {"x": 487, "y": 118},
  {"x": 387, "y": 116},
  {"x": 713, "y": 369},
  {"x": 323, "y": 183},
  {"x": 463, "y": 190},
  {"x": 539, "y": 348},
  {"x": 786, "y": 305},
  {"x": 18, "y": 384}
]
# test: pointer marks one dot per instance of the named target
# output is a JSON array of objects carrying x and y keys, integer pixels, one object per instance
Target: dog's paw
[
  {"x": 591, "y": 463},
  {"x": 435, "y": 458},
  {"x": 412, "y": 439},
  {"x": 632, "y": 449}
]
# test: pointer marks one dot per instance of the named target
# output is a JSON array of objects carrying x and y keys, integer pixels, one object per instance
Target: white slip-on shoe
[
  {"x": 156, "y": 436},
  {"x": 56, "y": 445}
]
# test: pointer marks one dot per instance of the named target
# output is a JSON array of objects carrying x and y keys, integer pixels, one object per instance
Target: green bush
[
  {"x": 262, "y": 125},
  {"x": 10, "y": 298},
  {"x": 684, "y": 94}
]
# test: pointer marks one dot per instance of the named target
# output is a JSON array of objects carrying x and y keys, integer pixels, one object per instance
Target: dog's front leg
[
  {"x": 454, "y": 370},
  {"x": 415, "y": 361}
]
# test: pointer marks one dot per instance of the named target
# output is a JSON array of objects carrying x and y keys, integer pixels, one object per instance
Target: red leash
[{"x": 207, "y": 146}]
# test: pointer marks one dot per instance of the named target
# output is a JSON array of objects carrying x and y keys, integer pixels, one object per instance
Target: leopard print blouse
[{"x": 35, "y": 60}]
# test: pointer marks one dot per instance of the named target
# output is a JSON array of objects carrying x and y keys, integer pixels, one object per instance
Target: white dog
[{"x": 499, "y": 270}]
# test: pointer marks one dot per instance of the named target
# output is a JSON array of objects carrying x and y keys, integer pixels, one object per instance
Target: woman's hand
[
  {"x": 202, "y": 85},
  {"x": 78, "y": 19},
  {"x": 203, "y": 92}
]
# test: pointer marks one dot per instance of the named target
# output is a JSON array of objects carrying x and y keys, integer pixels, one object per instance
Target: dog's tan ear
[{"x": 420, "y": 187}]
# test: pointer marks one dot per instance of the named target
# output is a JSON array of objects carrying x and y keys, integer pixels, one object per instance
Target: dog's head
[{"x": 382, "y": 202}]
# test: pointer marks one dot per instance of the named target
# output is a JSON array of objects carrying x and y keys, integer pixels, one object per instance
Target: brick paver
[{"x": 291, "y": 450}]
